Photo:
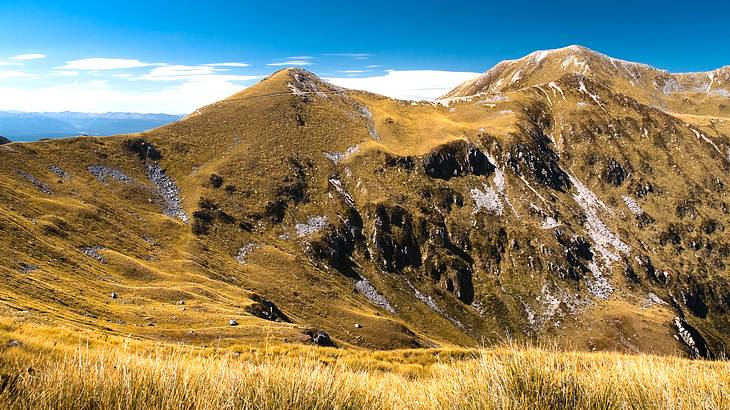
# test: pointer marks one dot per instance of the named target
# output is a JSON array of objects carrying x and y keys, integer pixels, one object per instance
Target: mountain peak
[{"x": 545, "y": 66}]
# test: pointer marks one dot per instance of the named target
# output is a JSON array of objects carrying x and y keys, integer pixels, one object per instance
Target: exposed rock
[
  {"x": 313, "y": 225},
  {"x": 114, "y": 295},
  {"x": 59, "y": 172},
  {"x": 243, "y": 252},
  {"x": 487, "y": 200},
  {"x": 691, "y": 338},
  {"x": 368, "y": 290},
  {"x": 233, "y": 322},
  {"x": 394, "y": 238},
  {"x": 27, "y": 267},
  {"x": 320, "y": 338},
  {"x": 266, "y": 309},
  {"x": 41, "y": 186},
  {"x": 614, "y": 173},
  {"x": 93, "y": 252},
  {"x": 215, "y": 180},
  {"x": 102, "y": 172},
  {"x": 144, "y": 149},
  {"x": 456, "y": 159},
  {"x": 537, "y": 159},
  {"x": 168, "y": 190}
]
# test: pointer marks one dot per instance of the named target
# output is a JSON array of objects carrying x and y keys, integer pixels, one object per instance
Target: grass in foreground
[{"x": 120, "y": 377}]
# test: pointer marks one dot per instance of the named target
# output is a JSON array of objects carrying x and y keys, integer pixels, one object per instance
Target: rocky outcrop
[
  {"x": 393, "y": 238},
  {"x": 456, "y": 159}
]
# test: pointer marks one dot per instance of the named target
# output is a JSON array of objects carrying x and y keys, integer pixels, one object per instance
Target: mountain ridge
[{"x": 573, "y": 213}]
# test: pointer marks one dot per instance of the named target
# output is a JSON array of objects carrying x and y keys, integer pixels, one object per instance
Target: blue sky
[{"x": 157, "y": 56}]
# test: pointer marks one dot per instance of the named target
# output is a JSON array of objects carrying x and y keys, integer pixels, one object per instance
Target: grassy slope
[{"x": 155, "y": 261}]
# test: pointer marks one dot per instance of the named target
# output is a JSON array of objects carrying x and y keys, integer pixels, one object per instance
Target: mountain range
[
  {"x": 24, "y": 126},
  {"x": 565, "y": 197}
]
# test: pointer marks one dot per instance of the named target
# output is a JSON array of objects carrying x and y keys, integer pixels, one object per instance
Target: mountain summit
[
  {"x": 565, "y": 196},
  {"x": 645, "y": 83}
]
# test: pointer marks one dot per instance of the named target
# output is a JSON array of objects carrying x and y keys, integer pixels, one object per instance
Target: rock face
[{"x": 544, "y": 200}]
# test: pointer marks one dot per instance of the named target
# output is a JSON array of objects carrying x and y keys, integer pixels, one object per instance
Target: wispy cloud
[
  {"x": 407, "y": 84},
  {"x": 90, "y": 64},
  {"x": 356, "y": 56},
  {"x": 353, "y": 71},
  {"x": 300, "y": 58},
  {"x": 15, "y": 74},
  {"x": 64, "y": 73},
  {"x": 26, "y": 57},
  {"x": 373, "y": 66},
  {"x": 227, "y": 65},
  {"x": 192, "y": 73},
  {"x": 290, "y": 63}
]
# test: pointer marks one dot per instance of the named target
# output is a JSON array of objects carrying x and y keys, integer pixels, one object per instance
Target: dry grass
[{"x": 511, "y": 377}]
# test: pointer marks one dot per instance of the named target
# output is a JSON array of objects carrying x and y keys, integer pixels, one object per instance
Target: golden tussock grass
[{"x": 510, "y": 377}]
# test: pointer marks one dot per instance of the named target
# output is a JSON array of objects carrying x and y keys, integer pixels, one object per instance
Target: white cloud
[
  {"x": 290, "y": 63},
  {"x": 104, "y": 64},
  {"x": 25, "y": 57},
  {"x": 408, "y": 84},
  {"x": 200, "y": 73},
  {"x": 64, "y": 73},
  {"x": 356, "y": 56},
  {"x": 353, "y": 71},
  {"x": 373, "y": 66},
  {"x": 300, "y": 58},
  {"x": 100, "y": 96},
  {"x": 227, "y": 65},
  {"x": 5, "y": 74}
]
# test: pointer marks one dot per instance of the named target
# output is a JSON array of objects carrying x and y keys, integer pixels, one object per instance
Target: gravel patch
[
  {"x": 168, "y": 189},
  {"x": 93, "y": 252},
  {"x": 244, "y": 251},
  {"x": 59, "y": 172},
  {"x": 368, "y": 290},
  {"x": 315, "y": 224},
  {"x": 102, "y": 172},
  {"x": 41, "y": 186}
]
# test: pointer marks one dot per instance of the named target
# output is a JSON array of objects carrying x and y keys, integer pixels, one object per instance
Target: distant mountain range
[{"x": 25, "y": 126}]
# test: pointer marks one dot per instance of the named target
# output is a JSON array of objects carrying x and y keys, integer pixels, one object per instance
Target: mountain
[
  {"x": 567, "y": 206},
  {"x": 29, "y": 125},
  {"x": 4, "y": 140}
]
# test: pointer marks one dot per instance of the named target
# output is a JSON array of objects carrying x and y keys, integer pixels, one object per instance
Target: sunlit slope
[{"x": 565, "y": 208}]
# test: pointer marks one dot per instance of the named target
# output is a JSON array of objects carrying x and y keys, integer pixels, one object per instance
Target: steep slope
[{"x": 562, "y": 208}]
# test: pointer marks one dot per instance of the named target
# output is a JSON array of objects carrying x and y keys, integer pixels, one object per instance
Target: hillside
[
  {"x": 28, "y": 126},
  {"x": 564, "y": 197}
]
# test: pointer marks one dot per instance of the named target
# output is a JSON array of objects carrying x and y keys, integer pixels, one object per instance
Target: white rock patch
[
  {"x": 487, "y": 200},
  {"x": 313, "y": 225},
  {"x": 634, "y": 207}
]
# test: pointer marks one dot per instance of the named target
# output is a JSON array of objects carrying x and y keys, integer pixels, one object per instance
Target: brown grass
[{"x": 137, "y": 375}]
